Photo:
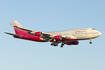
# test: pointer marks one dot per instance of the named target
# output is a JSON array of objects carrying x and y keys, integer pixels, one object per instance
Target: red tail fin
[{"x": 18, "y": 31}]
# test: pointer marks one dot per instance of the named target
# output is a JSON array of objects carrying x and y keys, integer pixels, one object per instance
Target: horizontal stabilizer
[{"x": 14, "y": 34}]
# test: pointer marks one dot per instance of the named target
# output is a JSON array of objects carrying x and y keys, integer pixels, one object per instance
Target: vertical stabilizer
[
  {"x": 18, "y": 31},
  {"x": 15, "y": 23}
]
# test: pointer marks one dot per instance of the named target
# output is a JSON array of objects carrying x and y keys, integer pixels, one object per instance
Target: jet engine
[
  {"x": 72, "y": 43},
  {"x": 59, "y": 37},
  {"x": 38, "y": 34}
]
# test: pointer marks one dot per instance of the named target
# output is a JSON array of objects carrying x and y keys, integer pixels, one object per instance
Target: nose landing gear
[{"x": 90, "y": 41}]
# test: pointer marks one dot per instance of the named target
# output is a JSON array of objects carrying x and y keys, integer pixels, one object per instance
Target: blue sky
[{"x": 46, "y": 16}]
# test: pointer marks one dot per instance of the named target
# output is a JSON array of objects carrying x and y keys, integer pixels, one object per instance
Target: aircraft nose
[
  {"x": 100, "y": 33},
  {"x": 97, "y": 33}
]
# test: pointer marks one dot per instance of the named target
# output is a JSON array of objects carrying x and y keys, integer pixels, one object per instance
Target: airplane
[{"x": 68, "y": 37}]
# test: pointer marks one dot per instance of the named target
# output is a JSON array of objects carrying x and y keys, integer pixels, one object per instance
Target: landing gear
[
  {"x": 90, "y": 41},
  {"x": 54, "y": 44},
  {"x": 62, "y": 45}
]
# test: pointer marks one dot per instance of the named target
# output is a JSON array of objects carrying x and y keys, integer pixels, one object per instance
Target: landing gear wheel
[
  {"x": 62, "y": 45},
  {"x": 90, "y": 42},
  {"x": 52, "y": 44},
  {"x": 56, "y": 45}
]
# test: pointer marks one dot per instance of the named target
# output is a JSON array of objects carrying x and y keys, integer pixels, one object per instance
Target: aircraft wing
[
  {"x": 44, "y": 36},
  {"x": 32, "y": 32}
]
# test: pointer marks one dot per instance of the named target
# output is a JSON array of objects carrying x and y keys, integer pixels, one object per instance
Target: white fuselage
[{"x": 82, "y": 33}]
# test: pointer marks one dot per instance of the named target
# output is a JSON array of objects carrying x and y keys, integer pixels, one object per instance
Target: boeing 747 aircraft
[{"x": 68, "y": 37}]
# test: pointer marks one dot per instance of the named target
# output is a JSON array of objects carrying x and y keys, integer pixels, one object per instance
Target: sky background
[{"x": 47, "y": 16}]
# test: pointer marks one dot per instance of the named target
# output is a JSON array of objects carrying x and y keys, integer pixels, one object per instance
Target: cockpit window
[{"x": 93, "y": 28}]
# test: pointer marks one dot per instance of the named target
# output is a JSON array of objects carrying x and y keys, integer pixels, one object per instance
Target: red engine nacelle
[
  {"x": 58, "y": 37},
  {"x": 38, "y": 33},
  {"x": 72, "y": 43}
]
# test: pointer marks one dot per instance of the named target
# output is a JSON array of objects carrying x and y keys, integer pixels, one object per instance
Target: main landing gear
[
  {"x": 62, "y": 45},
  {"x": 90, "y": 41},
  {"x": 56, "y": 44}
]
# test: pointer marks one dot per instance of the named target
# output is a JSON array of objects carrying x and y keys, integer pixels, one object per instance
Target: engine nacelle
[
  {"x": 59, "y": 37},
  {"x": 38, "y": 34},
  {"x": 72, "y": 43}
]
